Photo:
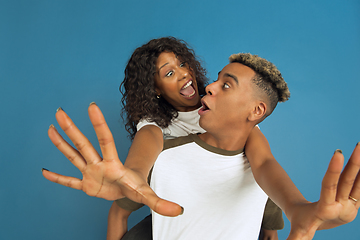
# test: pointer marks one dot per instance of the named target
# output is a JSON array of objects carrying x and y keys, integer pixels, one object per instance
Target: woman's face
[{"x": 176, "y": 83}]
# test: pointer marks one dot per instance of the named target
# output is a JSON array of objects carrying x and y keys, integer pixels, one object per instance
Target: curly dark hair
[{"x": 138, "y": 88}]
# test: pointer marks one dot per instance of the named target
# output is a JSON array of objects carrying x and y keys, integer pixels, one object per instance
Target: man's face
[{"x": 229, "y": 100}]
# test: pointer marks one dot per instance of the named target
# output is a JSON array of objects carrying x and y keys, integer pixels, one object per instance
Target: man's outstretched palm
[
  {"x": 336, "y": 205},
  {"x": 102, "y": 177}
]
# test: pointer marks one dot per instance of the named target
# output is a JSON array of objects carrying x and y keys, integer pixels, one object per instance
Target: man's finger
[
  {"x": 355, "y": 192},
  {"x": 103, "y": 133},
  {"x": 64, "y": 147},
  {"x": 63, "y": 180},
  {"x": 166, "y": 208},
  {"x": 355, "y": 162},
  {"x": 331, "y": 178},
  {"x": 82, "y": 144},
  {"x": 136, "y": 189},
  {"x": 159, "y": 205}
]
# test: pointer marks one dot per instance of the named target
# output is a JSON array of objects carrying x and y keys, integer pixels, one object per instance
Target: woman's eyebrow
[{"x": 163, "y": 65}]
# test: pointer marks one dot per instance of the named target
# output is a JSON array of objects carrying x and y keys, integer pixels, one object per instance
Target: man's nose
[{"x": 210, "y": 89}]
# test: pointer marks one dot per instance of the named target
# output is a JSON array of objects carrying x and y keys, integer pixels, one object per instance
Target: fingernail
[
  {"x": 92, "y": 103},
  {"x": 44, "y": 169},
  {"x": 338, "y": 150},
  {"x": 52, "y": 126},
  {"x": 358, "y": 143},
  {"x": 182, "y": 211},
  {"x": 60, "y": 108}
]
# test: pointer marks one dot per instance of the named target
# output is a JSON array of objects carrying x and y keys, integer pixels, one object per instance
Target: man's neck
[{"x": 231, "y": 141}]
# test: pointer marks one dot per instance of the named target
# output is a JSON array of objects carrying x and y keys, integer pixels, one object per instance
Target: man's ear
[{"x": 258, "y": 112}]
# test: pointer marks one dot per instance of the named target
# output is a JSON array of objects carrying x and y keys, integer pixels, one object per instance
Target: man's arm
[
  {"x": 270, "y": 176},
  {"x": 335, "y": 206},
  {"x": 272, "y": 219}
]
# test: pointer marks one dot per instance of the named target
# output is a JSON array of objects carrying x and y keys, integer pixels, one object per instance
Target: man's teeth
[{"x": 187, "y": 85}]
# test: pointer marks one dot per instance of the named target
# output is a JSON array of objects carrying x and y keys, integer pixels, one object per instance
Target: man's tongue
[{"x": 187, "y": 91}]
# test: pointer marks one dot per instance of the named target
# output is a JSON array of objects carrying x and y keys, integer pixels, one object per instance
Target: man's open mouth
[{"x": 204, "y": 106}]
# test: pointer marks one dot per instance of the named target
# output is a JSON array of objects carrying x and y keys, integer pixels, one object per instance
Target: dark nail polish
[
  {"x": 60, "y": 108},
  {"x": 338, "y": 150},
  {"x": 44, "y": 169},
  {"x": 182, "y": 211},
  {"x": 92, "y": 103}
]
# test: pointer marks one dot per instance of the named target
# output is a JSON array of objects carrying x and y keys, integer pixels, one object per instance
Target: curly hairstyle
[
  {"x": 138, "y": 87},
  {"x": 268, "y": 78}
]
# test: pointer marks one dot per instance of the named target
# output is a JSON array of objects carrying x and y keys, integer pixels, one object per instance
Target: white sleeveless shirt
[{"x": 186, "y": 123}]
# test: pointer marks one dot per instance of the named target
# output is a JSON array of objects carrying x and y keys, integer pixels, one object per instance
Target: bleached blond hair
[{"x": 268, "y": 78}]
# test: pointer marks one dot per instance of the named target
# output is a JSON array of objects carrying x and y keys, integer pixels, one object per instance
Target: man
[{"x": 234, "y": 104}]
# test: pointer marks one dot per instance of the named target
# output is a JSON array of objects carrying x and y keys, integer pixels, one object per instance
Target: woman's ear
[
  {"x": 157, "y": 91},
  {"x": 258, "y": 112}
]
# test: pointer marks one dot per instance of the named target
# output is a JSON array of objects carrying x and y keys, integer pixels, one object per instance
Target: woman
[{"x": 163, "y": 85}]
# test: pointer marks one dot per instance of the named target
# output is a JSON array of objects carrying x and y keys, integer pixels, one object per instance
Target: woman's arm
[
  {"x": 147, "y": 145},
  {"x": 268, "y": 234},
  {"x": 117, "y": 222},
  {"x": 144, "y": 150}
]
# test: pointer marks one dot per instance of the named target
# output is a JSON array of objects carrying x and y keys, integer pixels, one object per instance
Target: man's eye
[
  {"x": 226, "y": 85},
  {"x": 169, "y": 74}
]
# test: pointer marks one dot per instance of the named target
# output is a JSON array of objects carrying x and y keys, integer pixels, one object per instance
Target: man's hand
[
  {"x": 102, "y": 177},
  {"x": 338, "y": 203}
]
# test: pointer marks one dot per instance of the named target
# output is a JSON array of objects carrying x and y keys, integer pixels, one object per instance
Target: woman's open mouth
[{"x": 188, "y": 90}]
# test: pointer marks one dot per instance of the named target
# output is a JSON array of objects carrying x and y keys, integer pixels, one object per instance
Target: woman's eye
[
  {"x": 169, "y": 74},
  {"x": 182, "y": 64}
]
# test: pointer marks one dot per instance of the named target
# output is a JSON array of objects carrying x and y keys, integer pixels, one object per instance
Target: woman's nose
[{"x": 184, "y": 72}]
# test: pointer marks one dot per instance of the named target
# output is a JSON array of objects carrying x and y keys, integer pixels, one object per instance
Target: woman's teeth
[
  {"x": 186, "y": 85},
  {"x": 187, "y": 90}
]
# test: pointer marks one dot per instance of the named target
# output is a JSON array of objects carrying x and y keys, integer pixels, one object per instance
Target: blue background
[{"x": 70, "y": 53}]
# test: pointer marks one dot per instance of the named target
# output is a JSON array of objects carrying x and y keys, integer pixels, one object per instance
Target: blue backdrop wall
[{"x": 70, "y": 53}]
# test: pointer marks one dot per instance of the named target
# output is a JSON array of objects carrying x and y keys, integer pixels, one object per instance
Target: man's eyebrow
[{"x": 232, "y": 76}]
